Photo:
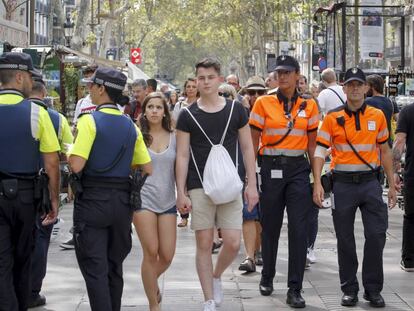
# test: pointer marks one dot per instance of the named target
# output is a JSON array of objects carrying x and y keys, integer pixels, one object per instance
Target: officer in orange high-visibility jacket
[
  {"x": 357, "y": 131},
  {"x": 285, "y": 125}
]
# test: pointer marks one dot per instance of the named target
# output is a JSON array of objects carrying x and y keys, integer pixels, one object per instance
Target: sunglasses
[
  {"x": 225, "y": 95},
  {"x": 254, "y": 92}
]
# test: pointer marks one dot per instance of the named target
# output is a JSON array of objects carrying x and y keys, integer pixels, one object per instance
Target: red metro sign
[{"x": 135, "y": 55}]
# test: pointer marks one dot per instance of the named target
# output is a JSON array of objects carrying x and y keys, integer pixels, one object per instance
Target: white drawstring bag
[{"x": 221, "y": 181}]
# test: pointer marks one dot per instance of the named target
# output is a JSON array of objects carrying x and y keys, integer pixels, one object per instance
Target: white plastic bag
[{"x": 221, "y": 181}]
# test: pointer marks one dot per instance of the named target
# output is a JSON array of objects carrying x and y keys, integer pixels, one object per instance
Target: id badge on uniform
[{"x": 276, "y": 174}]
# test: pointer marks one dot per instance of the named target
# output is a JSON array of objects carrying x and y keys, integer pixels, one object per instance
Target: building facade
[{"x": 14, "y": 23}]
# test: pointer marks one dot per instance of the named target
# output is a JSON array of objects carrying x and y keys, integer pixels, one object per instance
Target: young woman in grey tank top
[{"x": 155, "y": 221}]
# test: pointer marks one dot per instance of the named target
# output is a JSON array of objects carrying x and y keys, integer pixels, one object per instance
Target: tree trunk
[
  {"x": 109, "y": 29},
  {"x": 81, "y": 25}
]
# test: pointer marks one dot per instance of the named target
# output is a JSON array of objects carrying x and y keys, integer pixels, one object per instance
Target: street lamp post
[{"x": 68, "y": 28}]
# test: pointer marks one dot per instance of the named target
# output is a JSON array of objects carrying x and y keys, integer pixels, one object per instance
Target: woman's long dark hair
[{"x": 143, "y": 121}]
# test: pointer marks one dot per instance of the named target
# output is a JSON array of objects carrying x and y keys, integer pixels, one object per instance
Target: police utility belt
[{"x": 10, "y": 184}]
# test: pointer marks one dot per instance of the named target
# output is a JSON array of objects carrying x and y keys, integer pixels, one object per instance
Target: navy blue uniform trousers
[
  {"x": 374, "y": 212},
  {"x": 102, "y": 230},
  {"x": 293, "y": 191},
  {"x": 39, "y": 257},
  {"x": 17, "y": 221}
]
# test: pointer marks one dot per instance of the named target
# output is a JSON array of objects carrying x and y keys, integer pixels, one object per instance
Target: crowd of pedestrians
[{"x": 272, "y": 137}]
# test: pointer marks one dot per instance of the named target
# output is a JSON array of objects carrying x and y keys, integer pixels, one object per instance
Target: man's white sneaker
[
  {"x": 311, "y": 255},
  {"x": 218, "y": 291},
  {"x": 209, "y": 305}
]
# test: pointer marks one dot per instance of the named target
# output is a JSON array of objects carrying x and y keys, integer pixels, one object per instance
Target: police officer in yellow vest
[
  {"x": 107, "y": 145},
  {"x": 43, "y": 233},
  {"x": 26, "y": 133}
]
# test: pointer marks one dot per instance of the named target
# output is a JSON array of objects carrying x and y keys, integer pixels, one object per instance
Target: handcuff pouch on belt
[
  {"x": 327, "y": 182},
  {"x": 137, "y": 181},
  {"x": 41, "y": 193},
  {"x": 9, "y": 188},
  {"x": 75, "y": 182}
]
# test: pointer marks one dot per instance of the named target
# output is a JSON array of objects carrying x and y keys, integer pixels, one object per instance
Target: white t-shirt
[
  {"x": 328, "y": 100},
  {"x": 84, "y": 105}
]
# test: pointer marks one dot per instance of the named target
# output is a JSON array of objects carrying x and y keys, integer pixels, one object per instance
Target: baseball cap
[
  {"x": 17, "y": 61},
  {"x": 354, "y": 74},
  {"x": 286, "y": 62}
]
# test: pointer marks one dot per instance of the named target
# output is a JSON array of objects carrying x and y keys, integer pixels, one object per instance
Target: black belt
[
  {"x": 106, "y": 182},
  {"x": 283, "y": 159},
  {"x": 354, "y": 178}
]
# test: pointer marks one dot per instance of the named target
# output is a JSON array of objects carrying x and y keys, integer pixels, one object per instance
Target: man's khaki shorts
[{"x": 205, "y": 214}]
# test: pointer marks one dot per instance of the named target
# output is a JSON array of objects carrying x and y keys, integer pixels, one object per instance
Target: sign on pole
[
  {"x": 135, "y": 55},
  {"x": 371, "y": 34}
]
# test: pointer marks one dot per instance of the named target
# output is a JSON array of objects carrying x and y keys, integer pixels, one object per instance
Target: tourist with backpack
[{"x": 208, "y": 134}]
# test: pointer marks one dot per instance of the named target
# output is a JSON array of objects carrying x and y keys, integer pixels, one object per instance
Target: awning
[{"x": 92, "y": 59}]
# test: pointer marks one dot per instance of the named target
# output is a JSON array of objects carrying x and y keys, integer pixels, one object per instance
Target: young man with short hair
[
  {"x": 212, "y": 113},
  {"x": 333, "y": 96}
]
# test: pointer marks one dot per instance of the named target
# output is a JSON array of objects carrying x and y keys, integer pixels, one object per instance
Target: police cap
[
  {"x": 37, "y": 77},
  {"x": 17, "y": 61},
  {"x": 108, "y": 77},
  {"x": 286, "y": 62},
  {"x": 354, "y": 74}
]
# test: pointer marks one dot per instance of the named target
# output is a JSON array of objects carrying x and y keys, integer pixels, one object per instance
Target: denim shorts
[
  {"x": 253, "y": 215},
  {"x": 171, "y": 211}
]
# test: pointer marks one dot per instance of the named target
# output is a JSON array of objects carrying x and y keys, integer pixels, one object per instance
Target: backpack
[{"x": 221, "y": 181}]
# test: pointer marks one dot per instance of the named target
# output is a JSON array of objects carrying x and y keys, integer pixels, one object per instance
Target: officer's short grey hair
[
  {"x": 328, "y": 75},
  {"x": 140, "y": 82}
]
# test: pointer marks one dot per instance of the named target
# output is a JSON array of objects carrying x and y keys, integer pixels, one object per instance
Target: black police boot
[
  {"x": 295, "y": 299},
  {"x": 375, "y": 299},
  {"x": 349, "y": 299},
  {"x": 266, "y": 286},
  {"x": 39, "y": 300}
]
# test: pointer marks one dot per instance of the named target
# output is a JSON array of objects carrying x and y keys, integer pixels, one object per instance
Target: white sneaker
[
  {"x": 218, "y": 291},
  {"x": 209, "y": 305},
  {"x": 311, "y": 255}
]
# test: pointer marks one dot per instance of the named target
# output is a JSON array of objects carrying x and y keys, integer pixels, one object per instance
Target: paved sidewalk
[{"x": 65, "y": 289}]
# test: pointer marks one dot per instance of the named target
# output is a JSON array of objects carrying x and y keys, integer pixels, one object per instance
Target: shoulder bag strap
[
  {"x": 284, "y": 136},
  {"x": 198, "y": 124},
  {"x": 340, "y": 98},
  {"x": 359, "y": 156},
  {"x": 355, "y": 151},
  {"x": 228, "y": 123}
]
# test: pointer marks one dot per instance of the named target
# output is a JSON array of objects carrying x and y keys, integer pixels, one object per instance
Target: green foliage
[
  {"x": 70, "y": 78},
  {"x": 173, "y": 34}
]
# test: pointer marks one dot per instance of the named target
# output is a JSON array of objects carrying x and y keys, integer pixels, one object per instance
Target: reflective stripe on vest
[
  {"x": 284, "y": 152},
  {"x": 112, "y": 132},
  {"x": 358, "y": 147},
  {"x": 283, "y": 131},
  {"x": 19, "y": 144},
  {"x": 354, "y": 167},
  {"x": 56, "y": 121}
]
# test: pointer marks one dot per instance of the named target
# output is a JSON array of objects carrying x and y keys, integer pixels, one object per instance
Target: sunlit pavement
[{"x": 65, "y": 290}]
